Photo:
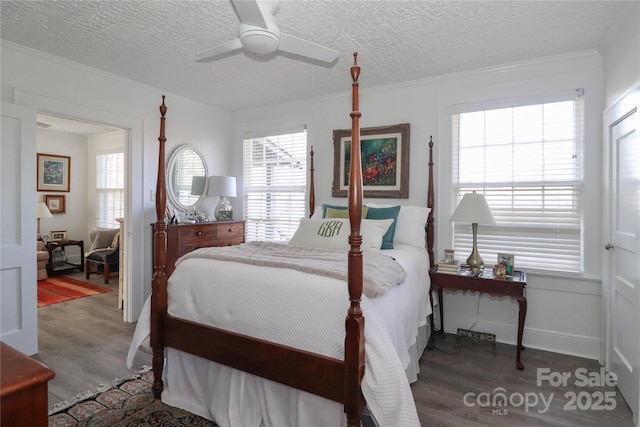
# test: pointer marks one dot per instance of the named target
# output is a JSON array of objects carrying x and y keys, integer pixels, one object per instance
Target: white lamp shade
[
  {"x": 197, "y": 185},
  {"x": 42, "y": 211},
  {"x": 473, "y": 209},
  {"x": 222, "y": 186}
]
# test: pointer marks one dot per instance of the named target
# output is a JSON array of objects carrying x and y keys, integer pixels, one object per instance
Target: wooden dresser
[
  {"x": 23, "y": 389},
  {"x": 183, "y": 238}
]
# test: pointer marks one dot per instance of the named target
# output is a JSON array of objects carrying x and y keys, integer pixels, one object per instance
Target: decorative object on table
[
  {"x": 385, "y": 161},
  {"x": 449, "y": 267},
  {"x": 449, "y": 256},
  {"x": 53, "y": 172},
  {"x": 45, "y": 237},
  {"x": 42, "y": 211},
  {"x": 55, "y": 203},
  {"x": 223, "y": 187},
  {"x": 58, "y": 235},
  {"x": 508, "y": 260},
  {"x": 59, "y": 257},
  {"x": 499, "y": 271},
  {"x": 474, "y": 209}
]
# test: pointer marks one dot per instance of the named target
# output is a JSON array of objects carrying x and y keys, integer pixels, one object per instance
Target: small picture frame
[
  {"x": 58, "y": 235},
  {"x": 499, "y": 271},
  {"x": 45, "y": 237},
  {"x": 55, "y": 203},
  {"x": 226, "y": 215},
  {"x": 508, "y": 260}
]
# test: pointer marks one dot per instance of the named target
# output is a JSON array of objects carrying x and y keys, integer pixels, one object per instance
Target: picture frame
[
  {"x": 500, "y": 271},
  {"x": 385, "y": 161},
  {"x": 45, "y": 237},
  {"x": 56, "y": 203},
  {"x": 54, "y": 172},
  {"x": 58, "y": 235},
  {"x": 508, "y": 260}
]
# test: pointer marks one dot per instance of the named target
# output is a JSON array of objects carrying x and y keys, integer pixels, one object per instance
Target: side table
[
  {"x": 514, "y": 286},
  {"x": 53, "y": 269}
]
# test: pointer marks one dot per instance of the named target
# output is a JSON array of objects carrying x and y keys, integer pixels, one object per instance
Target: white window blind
[
  {"x": 275, "y": 179},
  {"x": 109, "y": 189},
  {"x": 527, "y": 161}
]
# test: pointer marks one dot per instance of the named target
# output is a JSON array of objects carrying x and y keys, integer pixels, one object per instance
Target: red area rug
[{"x": 59, "y": 289}]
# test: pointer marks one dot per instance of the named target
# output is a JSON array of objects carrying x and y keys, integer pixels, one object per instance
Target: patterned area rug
[
  {"x": 60, "y": 288},
  {"x": 128, "y": 402}
]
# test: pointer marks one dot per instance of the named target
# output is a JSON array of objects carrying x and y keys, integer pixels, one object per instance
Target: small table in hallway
[{"x": 52, "y": 268}]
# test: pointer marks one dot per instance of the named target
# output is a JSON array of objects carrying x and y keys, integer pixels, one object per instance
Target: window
[
  {"x": 109, "y": 188},
  {"x": 526, "y": 160},
  {"x": 275, "y": 179}
]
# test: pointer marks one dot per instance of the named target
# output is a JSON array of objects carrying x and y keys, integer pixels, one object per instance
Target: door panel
[
  {"x": 624, "y": 309},
  {"x": 18, "y": 287}
]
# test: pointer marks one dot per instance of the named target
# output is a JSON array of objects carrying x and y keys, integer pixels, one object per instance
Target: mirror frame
[{"x": 171, "y": 165}]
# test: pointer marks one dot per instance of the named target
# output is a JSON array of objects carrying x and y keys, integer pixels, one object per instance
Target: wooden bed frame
[{"x": 320, "y": 375}]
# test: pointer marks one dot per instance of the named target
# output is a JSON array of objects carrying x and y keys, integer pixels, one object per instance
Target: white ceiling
[{"x": 155, "y": 42}]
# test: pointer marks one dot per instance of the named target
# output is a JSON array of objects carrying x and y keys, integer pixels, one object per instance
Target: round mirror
[{"x": 186, "y": 177}]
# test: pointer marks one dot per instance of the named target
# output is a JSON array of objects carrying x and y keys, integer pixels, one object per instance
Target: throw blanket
[{"x": 380, "y": 272}]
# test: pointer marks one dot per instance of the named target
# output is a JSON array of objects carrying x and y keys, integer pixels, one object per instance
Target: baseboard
[{"x": 554, "y": 341}]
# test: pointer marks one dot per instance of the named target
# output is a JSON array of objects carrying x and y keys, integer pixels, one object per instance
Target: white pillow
[
  {"x": 333, "y": 233},
  {"x": 410, "y": 224}
]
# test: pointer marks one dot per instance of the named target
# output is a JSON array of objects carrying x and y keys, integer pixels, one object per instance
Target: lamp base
[
  {"x": 475, "y": 261},
  {"x": 224, "y": 210}
]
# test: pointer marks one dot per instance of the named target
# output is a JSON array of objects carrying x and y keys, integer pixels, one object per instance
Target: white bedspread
[{"x": 391, "y": 327}]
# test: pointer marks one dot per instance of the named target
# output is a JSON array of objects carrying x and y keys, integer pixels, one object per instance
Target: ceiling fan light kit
[{"x": 259, "y": 33}]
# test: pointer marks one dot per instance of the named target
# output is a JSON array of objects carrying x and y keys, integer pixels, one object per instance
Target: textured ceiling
[{"x": 155, "y": 42}]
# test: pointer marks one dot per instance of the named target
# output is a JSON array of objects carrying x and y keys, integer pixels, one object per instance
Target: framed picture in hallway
[
  {"x": 53, "y": 172},
  {"x": 55, "y": 203}
]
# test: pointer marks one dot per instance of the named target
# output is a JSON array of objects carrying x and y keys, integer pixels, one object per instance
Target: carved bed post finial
[
  {"x": 354, "y": 323},
  {"x": 312, "y": 189},
  {"x": 159, "y": 283},
  {"x": 431, "y": 206}
]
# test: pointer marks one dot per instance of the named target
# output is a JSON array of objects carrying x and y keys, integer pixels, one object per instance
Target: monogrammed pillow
[{"x": 333, "y": 233}]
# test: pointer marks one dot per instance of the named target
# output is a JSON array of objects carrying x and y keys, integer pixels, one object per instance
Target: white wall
[
  {"x": 621, "y": 53},
  {"x": 564, "y": 313},
  {"x": 53, "y": 85},
  {"x": 74, "y": 146}
]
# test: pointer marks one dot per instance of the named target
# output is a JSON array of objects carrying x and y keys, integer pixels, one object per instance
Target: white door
[
  {"x": 18, "y": 284},
  {"x": 623, "y": 340}
]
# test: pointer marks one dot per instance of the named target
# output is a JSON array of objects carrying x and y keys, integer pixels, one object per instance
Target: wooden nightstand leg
[{"x": 522, "y": 303}]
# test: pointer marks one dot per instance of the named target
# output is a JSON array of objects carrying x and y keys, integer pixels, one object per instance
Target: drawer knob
[{"x": 199, "y": 233}]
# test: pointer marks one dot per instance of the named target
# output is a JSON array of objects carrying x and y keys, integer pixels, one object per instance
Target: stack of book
[{"x": 449, "y": 267}]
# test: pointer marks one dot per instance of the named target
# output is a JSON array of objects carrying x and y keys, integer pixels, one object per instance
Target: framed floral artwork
[
  {"x": 53, "y": 172},
  {"x": 385, "y": 161}
]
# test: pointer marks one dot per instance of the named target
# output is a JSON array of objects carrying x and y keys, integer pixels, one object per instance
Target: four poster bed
[{"x": 271, "y": 349}]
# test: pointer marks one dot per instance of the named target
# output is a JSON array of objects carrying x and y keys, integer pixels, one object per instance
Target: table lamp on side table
[
  {"x": 42, "y": 211},
  {"x": 474, "y": 209}
]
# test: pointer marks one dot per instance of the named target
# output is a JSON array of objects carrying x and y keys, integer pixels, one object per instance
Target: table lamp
[
  {"x": 42, "y": 211},
  {"x": 474, "y": 209},
  {"x": 223, "y": 187}
]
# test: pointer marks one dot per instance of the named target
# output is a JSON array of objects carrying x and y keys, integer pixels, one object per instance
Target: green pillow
[
  {"x": 332, "y": 212},
  {"x": 386, "y": 213}
]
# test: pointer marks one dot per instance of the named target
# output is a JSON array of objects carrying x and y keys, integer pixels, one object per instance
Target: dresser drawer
[
  {"x": 197, "y": 234},
  {"x": 230, "y": 230},
  {"x": 230, "y": 241}
]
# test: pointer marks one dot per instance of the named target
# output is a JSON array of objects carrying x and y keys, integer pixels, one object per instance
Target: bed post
[
  {"x": 312, "y": 187},
  {"x": 354, "y": 323},
  {"x": 431, "y": 205},
  {"x": 159, "y": 283}
]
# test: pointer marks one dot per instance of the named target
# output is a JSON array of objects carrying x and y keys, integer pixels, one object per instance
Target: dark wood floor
[{"x": 86, "y": 342}]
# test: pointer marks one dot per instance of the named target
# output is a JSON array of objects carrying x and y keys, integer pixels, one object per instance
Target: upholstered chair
[
  {"x": 42, "y": 256},
  {"x": 104, "y": 252}
]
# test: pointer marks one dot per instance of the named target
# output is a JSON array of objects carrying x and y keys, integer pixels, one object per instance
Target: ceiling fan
[{"x": 259, "y": 33}]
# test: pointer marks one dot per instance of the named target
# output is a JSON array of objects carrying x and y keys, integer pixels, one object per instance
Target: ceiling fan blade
[
  {"x": 219, "y": 50},
  {"x": 249, "y": 12},
  {"x": 292, "y": 44}
]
